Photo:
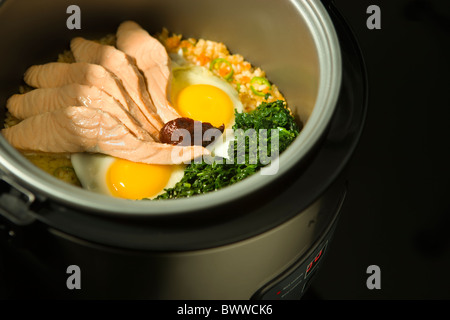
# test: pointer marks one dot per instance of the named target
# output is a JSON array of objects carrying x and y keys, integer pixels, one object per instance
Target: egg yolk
[
  {"x": 136, "y": 181},
  {"x": 205, "y": 103}
]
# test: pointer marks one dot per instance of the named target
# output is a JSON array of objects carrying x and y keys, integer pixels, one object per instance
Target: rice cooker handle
[
  {"x": 329, "y": 5},
  {"x": 15, "y": 203},
  {"x": 327, "y": 2}
]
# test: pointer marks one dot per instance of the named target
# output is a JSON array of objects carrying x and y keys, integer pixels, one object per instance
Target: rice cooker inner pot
[{"x": 301, "y": 55}]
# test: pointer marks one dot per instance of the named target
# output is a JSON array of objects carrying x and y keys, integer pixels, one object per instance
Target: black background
[{"x": 397, "y": 215}]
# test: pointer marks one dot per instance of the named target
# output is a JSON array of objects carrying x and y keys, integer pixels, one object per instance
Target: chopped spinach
[{"x": 213, "y": 175}]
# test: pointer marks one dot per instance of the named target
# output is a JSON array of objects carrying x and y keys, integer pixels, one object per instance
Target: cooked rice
[{"x": 202, "y": 52}]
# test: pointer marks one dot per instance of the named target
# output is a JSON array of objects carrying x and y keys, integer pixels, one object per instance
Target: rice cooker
[{"x": 262, "y": 238}]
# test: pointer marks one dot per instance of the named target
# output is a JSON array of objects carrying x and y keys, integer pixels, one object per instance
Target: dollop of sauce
[{"x": 188, "y": 132}]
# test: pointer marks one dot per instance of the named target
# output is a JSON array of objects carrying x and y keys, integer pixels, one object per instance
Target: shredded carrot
[
  {"x": 246, "y": 66},
  {"x": 203, "y": 59},
  {"x": 173, "y": 42},
  {"x": 223, "y": 72},
  {"x": 245, "y": 79},
  {"x": 185, "y": 44}
]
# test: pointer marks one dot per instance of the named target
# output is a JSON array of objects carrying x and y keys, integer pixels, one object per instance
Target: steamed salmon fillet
[
  {"x": 57, "y": 74},
  {"x": 152, "y": 59},
  {"x": 110, "y": 101},
  {"x": 83, "y": 129},
  {"x": 38, "y": 101},
  {"x": 123, "y": 67},
  {"x": 43, "y": 100}
]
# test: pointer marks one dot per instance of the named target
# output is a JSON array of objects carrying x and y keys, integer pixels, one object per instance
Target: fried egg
[
  {"x": 196, "y": 93},
  {"x": 199, "y": 94},
  {"x": 122, "y": 178}
]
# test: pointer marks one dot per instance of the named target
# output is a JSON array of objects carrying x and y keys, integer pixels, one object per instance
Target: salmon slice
[
  {"x": 83, "y": 129},
  {"x": 123, "y": 67},
  {"x": 43, "y": 100},
  {"x": 57, "y": 74},
  {"x": 152, "y": 59}
]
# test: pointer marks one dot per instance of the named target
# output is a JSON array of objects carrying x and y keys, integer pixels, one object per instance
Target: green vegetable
[
  {"x": 215, "y": 64},
  {"x": 206, "y": 177},
  {"x": 260, "y": 81},
  {"x": 268, "y": 116}
]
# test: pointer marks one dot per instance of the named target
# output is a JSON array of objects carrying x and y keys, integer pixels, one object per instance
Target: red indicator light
[
  {"x": 278, "y": 292},
  {"x": 318, "y": 256},
  {"x": 314, "y": 262}
]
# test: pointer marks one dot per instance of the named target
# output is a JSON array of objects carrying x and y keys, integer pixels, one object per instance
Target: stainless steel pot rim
[{"x": 323, "y": 33}]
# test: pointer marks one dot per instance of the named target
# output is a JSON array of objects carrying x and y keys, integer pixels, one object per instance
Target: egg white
[
  {"x": 187, "y": 75},
  {"x": 91, "y": 170}
]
